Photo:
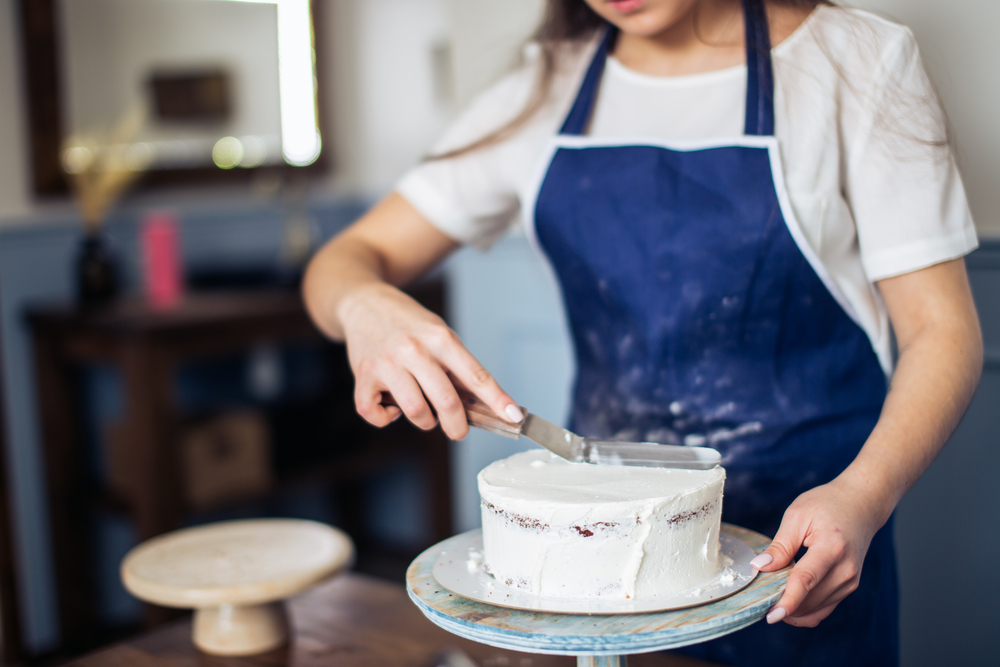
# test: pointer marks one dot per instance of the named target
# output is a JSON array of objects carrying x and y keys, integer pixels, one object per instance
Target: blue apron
[{"x": 700, "y": 315}]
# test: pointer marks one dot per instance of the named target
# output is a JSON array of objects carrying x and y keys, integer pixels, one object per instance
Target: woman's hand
[
  {"x": 396, "y": 345},
  {"x": 836, "y": 522}
]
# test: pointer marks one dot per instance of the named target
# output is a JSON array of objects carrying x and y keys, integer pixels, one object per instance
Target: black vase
[{"x": 96, "y": 271}]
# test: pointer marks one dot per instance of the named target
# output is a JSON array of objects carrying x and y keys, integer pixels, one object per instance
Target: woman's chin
[{"x": 643, "y": 18}]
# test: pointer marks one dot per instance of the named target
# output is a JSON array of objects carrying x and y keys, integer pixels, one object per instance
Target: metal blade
[
  {"x": 649, "y": 454},
  {"x": 554, "y": 438},
  {"x": 572, "y": 447}
]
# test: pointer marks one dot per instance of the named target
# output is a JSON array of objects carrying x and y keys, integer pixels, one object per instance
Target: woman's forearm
[
  {"x": 935, "y": 379},
  {"x": 336, "y": 272},
  {"x": 390, "y": 246},
  {"x": 940, "y": 361}
]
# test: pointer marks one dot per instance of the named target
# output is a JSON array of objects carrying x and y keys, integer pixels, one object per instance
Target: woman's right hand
[{"x": 394, "y": 344}]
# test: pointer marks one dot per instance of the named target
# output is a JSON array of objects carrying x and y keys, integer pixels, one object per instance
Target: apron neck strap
[
  {"x": 579, "y": 115},
  {"x": 760, "y": 80}
]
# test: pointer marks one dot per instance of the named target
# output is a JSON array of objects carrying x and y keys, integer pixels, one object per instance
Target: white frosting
[{"x": 576, "y": 530}]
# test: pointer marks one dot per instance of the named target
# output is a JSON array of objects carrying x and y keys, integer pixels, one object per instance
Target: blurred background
[{"x": 166, "y": 169}]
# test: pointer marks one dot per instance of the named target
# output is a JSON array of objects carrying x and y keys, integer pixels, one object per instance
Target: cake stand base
[
  {"x": 241, "y": 629},
  {"x": 598, "y": 640},
  {"x": 601, "y": 661}
]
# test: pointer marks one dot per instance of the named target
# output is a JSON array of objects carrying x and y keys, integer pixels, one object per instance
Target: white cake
[{"x": 576, "y": 530}]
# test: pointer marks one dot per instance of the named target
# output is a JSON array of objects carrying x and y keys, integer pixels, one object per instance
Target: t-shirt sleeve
[
  {"x": 902, "y": 182},
  {"x": 472, "y": 197}
]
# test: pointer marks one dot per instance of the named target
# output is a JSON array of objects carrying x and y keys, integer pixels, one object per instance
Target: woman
[{"x": 733, "y": 228}]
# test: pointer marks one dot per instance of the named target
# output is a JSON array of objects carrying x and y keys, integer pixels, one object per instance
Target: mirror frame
[{"x": 41, "y": 67}]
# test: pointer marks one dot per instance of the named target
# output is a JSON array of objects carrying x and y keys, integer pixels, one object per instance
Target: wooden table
[
  {"x": 147, "y": 346},
  {"x": 351, "y": 621}
]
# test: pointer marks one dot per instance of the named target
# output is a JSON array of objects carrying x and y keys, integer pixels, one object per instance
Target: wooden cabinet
[{"x": 148, "y": 459}]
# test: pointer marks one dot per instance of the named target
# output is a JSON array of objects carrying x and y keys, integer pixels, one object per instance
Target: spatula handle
[
  {"x": 482, "y": 416},
  {"x": 478, "y": 414}
]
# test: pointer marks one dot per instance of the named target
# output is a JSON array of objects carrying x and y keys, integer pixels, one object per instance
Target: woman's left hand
[{"x": 836, "y": 522}]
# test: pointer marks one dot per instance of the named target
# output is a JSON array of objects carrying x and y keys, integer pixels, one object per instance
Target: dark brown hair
[{"x": 563, "y": 21}]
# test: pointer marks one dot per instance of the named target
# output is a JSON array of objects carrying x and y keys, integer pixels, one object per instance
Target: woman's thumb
[{"x": 782, "y": 549}]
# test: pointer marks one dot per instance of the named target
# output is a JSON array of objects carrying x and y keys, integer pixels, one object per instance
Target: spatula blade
[
  {"x": 572, "y": 447},
  {"x": 554, "y": 438},
  {"x": 649, "y": 454}
]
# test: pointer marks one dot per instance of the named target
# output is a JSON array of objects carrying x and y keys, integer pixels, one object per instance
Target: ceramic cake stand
[
  {"x": 236, "y": 575},
  {"x": 598, "y": 640}
]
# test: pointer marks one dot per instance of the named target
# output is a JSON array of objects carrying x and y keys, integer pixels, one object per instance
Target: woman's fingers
[
  {"x": 825, "y": 575},
  {"x": 446, "y": 347},
  {"x": 824, "y": 598},
  {"x": 813, "y": 619},
  {"x": 406, "y": 393},
  {"x": 473, "y": 376},
  {"x": 368, "y": 402},
  {"x": 807, "y": 575},
  {"x": 439, "y": 390},
  {"x": 791, "y": 535},
  {"x": 423, "y": 385},
  {"x": 810, "y": 614},
  {"x": 421, "y": 356},
  {"x": 412, "y": 401},
  {"x": 396, "y": 345}
]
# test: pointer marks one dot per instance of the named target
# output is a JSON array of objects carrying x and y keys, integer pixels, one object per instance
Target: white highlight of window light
[{"x": 300, "y": 139}]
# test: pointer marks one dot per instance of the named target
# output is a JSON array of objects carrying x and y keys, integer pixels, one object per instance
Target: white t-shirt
[{"x": 855, "y": 120}]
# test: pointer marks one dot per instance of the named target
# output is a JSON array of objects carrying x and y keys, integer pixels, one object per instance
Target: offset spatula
[{"x": 572, "y": 447}]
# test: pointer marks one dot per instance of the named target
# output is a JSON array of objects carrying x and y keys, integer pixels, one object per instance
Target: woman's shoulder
[
  {"x": 856, "y": 41},
  {"x": 566, "y": 61},
  {"x": 503, "y": 101}
]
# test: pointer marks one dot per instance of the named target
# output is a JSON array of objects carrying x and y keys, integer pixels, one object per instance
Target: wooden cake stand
[
  {"x": 236, "y": 576},
  {"x": 597, "y": 640}
]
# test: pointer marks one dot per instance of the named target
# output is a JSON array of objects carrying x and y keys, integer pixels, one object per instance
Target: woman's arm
[
  {"x": 393, "y": 343},
  {"x": 940, "y": 361}
]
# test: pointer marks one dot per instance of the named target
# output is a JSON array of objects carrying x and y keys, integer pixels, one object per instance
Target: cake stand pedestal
[{"x": 598, "y": 640}]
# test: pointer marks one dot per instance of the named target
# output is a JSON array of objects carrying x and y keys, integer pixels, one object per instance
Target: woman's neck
[{"x": 708, "y": 37}]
